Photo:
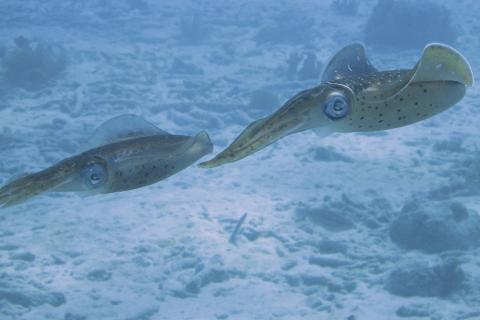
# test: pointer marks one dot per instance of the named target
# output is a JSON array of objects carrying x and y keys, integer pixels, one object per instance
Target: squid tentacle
[{"x": 34, "y": 184}]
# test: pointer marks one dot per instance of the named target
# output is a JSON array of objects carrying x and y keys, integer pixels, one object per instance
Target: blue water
[{"x": 380, "y": 225}]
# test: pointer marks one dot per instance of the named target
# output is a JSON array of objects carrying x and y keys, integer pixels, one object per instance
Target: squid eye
[
  {"x": 95, "y": 175},
  {"x": 336, "y": 107}
]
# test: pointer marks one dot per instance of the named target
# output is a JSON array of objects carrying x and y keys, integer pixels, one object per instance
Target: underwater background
[{"x": 380, "y": 225}]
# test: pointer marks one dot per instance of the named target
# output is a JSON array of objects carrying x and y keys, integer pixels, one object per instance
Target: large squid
[{"x": 354, "y": 96}]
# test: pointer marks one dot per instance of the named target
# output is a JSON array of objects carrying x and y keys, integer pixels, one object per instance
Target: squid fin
[
  {"x": 439, "y": 62},
  {"x": 123, "y": 127},
  {"x": 349, "y": 61}
]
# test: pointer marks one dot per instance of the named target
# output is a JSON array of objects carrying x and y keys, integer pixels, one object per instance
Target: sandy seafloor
[{"x": 316, "y": 242}]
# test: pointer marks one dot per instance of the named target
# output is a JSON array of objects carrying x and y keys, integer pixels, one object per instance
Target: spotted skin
[
  {"x": 143, "y": 161},
  {"x": 377, "y": 100},
  {"x": 417, "y": 102},
  {"x": 376, "y": 86}
]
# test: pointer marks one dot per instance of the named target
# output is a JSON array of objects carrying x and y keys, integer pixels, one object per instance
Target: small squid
[{"x": 125, "y": 153}]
